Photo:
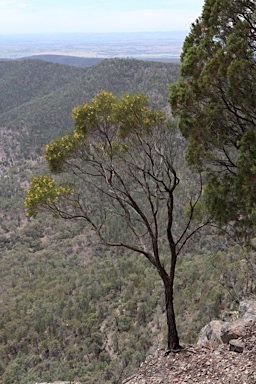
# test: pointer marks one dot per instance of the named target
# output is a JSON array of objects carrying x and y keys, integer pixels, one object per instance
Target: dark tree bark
[{"x": 172, "y": 338}]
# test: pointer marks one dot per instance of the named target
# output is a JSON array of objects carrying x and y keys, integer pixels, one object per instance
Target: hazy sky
[{"x": 51, "y": 16}]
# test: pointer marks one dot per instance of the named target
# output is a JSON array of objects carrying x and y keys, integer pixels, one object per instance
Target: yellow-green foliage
[
  {"x": 129, "y": 115},
  {"x": 102, "y": 129},
  {"x": 102, "y": 115},
  {"x": 132, "y": 112},
  {"x": 90, "y": 117},
  {"x": 43, "y": 192},
  {"x": 59, "y": 150}
]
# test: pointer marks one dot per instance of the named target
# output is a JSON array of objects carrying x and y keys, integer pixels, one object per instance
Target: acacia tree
[
  {"x": 116, "y": 170},
  {"x": 215, "y": 100}
]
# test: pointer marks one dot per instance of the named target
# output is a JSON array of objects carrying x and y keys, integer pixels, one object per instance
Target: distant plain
[{"x": 160, "y": 46}]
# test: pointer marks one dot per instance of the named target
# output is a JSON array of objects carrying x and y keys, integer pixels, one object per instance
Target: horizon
[{"x": 102, "y": 45}]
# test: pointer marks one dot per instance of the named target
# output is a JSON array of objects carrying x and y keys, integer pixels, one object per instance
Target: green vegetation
[
  {"x": 76, "y": 312},
  {"x": 72, "y": 309},
  {"x": 23, "y": 81},
  {"x": 216, "y": 105},
  {"x": 46, "y": 113},
  {"x": 120, "y": 157}
]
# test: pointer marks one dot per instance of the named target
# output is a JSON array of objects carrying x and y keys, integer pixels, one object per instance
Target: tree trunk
[{"x": 173, "y": 339}]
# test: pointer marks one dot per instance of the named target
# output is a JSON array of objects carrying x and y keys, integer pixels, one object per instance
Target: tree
[
  {"x": 116, "y": 171},
  {"x": 216, "y": 105}
]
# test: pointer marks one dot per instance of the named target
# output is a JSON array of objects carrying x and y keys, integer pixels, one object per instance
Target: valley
[{"x": 72, "y": 308}]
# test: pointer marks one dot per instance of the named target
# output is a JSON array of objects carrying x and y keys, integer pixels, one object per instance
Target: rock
[
  {"x": 247, "y": 306},
  {"x": 236, "y": 346},
  {"x": 201, "y": 365},
  {"x": 210, "y": 334},
  {"x": 211, "y": 365},
  {"x": 219, "y": 332},
  {"x": 230, "y": 315},
  {"x": 247, "y": 310},
  {"x": 233, "y": 330}
]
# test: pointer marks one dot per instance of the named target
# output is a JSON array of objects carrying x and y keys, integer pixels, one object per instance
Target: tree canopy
[
  {"x": 117, "y": 171},
  {"x": 216, "y": 105}
]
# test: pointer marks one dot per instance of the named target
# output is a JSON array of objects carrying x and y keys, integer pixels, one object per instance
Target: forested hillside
[
  {"x": 23, "y": 81},
  {"x": 72, "y": 309},
  {"x": 45, "y": 111}
]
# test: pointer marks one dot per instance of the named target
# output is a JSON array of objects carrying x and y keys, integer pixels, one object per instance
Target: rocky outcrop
[
  {"x": 212, "y": 361},
  {"x": 219, "y": 332},
  {"x": 199, "y": 365}
]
